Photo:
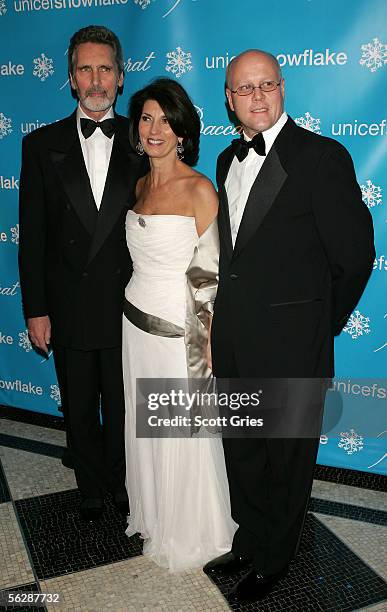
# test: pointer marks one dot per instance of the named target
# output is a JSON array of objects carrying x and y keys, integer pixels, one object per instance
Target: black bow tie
[
  {"x": 241, "y": 146},
  {"x": 88, "y": 127}
]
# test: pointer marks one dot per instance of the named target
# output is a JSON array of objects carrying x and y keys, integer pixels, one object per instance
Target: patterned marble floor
[{"x": 45, "y": 548}]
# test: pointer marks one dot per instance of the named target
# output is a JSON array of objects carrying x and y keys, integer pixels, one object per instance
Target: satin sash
[{"x": 151, "y": 324}]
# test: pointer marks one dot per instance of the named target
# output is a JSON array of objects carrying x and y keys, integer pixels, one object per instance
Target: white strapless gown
[{"x": 178, "y": 489}]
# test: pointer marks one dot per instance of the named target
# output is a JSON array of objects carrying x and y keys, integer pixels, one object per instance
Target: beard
[{"x": 97, "y": 104}]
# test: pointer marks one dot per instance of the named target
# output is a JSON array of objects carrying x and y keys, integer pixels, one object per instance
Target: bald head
[
  {"x": 263, "y": 105},
  {"x": 251, "y": 54}
]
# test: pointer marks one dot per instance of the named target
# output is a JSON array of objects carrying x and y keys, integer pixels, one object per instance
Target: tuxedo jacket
[
  {"x": 302, "y": 258},
  {"x": 73, "y": 259}
]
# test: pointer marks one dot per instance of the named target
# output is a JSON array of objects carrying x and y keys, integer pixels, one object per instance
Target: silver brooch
[{"x": 141, "y": 222}]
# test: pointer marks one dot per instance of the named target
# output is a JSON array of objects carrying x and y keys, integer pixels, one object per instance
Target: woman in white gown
[{"x": 178, "y": 490}]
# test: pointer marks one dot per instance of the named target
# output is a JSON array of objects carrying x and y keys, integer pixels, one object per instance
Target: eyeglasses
[{"x": 247, "y": 90}]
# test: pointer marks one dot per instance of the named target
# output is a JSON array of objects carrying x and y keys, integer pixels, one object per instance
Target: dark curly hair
[
  {"x": 95, "y": 34},
  {"x": 178, "y": 109}
]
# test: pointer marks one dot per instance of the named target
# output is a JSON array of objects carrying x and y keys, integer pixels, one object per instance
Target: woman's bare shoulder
[
  {"x": 204, "y": 201},
  {"x": 204, "y": 194}
]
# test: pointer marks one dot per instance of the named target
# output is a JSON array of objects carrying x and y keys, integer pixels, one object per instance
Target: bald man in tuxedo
[{"x": 296, "y": 251}]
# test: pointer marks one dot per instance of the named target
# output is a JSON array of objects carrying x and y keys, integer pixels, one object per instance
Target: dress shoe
[
  {"x": 90, "y": 510},
  {"x": 67, "y": 460},
  {"x": 254, "y": 586},
  {"x": 226, "y": 564}
]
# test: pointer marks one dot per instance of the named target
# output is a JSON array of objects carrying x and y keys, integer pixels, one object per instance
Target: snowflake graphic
[
  {"x": 15, "y": 234},
  {"x": 179, "y": 62},
  {"x": 309, "y": 123},
  {"x": 372, "y": 194},
  {"x": 3, "y": 7},
  {"x": 5, "y": 126},
  {"x": 357, "y": 325},
  {"x": 374, "y": 55},
  {"x": 55, "y": 394},
  {"x": 350, "y": 441},
  {"x": 24, "y": 341},
  {"x": 143, "y": 3},
  {"x": 43, "y": 67}
]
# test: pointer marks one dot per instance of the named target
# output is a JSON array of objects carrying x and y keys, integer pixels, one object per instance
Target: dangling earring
[
  {"x": 140, "y": 148},
  {"x": 179, "y": 150}
]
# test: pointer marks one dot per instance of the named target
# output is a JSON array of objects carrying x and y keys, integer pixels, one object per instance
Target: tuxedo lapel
[
  {"x": 68, "y": 161},
  {"x": 115, "y": 193},
  {"x": 262, "y": 195},
  {"x": 224, "y": 214}
]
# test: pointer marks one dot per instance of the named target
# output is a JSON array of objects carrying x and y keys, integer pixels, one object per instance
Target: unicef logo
[
  {"x": 3, "y": 7},
  {"x": 374, "y": 55}
]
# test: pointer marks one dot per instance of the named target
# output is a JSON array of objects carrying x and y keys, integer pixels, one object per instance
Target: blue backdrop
[{"x": 334, "y": 56}]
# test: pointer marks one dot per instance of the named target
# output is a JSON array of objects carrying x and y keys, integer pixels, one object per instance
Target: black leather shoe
[
  {"x": 89, "y": 511},
  {"x": 67, "y": 460},
  {"x": 253, "y": 586},
  {"x": 226, "y": 564}
]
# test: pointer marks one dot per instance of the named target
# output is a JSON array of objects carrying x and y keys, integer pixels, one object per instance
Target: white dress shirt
[
  {"x": 242, "y": 175},
  {"x": 96, "y": 151}
]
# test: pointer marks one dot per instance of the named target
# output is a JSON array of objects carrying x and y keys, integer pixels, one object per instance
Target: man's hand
[{"x": 39, "y": 330}]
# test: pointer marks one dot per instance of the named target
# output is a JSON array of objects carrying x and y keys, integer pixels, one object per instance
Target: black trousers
[
  {"x": 91, "y": 386},
  {"x": 270, "y": 481}
]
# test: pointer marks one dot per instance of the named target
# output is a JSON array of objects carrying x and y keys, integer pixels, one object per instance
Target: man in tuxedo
[
  {"x": 296, "y": 251},
  {"x": 77, "y": 182}
]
